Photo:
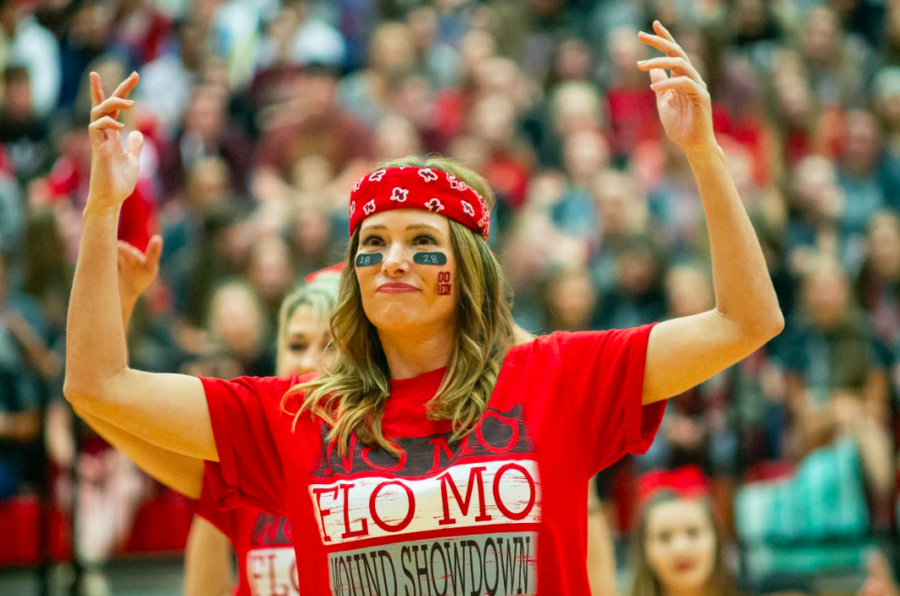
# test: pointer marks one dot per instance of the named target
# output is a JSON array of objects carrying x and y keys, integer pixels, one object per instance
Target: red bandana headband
[{"x": 419, "y": 188}]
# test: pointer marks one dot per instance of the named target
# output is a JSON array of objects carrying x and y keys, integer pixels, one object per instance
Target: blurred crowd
[{"x": 259, "y": 115}]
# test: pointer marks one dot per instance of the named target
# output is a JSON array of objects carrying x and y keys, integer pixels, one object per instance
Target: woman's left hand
[{"x": 682, "y": 99}]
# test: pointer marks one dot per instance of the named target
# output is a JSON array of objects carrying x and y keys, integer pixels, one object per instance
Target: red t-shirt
[
  {"x": 502, "y": 512},
  {"x": 263, "y": 544}
]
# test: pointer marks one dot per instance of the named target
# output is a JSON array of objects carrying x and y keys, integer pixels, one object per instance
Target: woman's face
[
  {"x": 399, "y": 294},
  {"x": 680, "y": 545},
  {"x": 307, "y": 340}
]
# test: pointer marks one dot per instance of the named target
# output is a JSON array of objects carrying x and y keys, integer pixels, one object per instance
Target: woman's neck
[
  {"x": 702, "y": 591},
  {"x": 410, "y": 355}
]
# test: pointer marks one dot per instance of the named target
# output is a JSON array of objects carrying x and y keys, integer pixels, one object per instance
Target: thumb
[
  {"x": 135, "y": 143},
  {"x": 154, "y": 249},
  {"x": 657, "y": 75}
]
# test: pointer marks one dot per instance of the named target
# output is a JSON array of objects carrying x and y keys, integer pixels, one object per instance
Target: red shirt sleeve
[
  {"x": 604, "y": 378},
  {"x": 244, "y": 413},
  {"x": 225, "y": 520}
]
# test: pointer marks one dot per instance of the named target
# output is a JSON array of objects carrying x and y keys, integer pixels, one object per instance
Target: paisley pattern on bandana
[{"x": 420, "y": 188}]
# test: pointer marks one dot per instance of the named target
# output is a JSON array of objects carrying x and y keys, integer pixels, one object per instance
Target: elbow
[
  {"x": 766, "y": 328},
  {"x": 74, "y": 392}
]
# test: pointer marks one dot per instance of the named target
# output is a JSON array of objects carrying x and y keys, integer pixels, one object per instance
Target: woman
[
  {"x": 678, "y": 548},
  {"x": 432, "y": 453},
  {"x": 261, "y": 541}
]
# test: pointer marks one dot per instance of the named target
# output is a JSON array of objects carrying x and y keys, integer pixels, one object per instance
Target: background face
[{"x": 680, "y": 545}]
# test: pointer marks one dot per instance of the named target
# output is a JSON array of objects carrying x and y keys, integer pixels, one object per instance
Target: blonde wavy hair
[{"x": 350, "y": 396}]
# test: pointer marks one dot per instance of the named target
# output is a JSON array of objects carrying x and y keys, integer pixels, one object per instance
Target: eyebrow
[{"x": 417, "y": 226}]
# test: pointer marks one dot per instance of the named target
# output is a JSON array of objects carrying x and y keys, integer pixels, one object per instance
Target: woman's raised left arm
[{"x": 685, "y": 351}]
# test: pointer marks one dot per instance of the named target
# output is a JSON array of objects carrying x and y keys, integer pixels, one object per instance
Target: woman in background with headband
[
  {"x": 261, "y": 542},
  {"x": 434, "y": 454}
]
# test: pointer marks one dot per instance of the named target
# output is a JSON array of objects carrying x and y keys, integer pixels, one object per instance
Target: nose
[
  {"x": 310, "y": 361},
  {"x": 396, "y": 260}
]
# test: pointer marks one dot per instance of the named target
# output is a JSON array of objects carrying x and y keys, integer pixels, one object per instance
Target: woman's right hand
[{"x": 114, "y": 165}]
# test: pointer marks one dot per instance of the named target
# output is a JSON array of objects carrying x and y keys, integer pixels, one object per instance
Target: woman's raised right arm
[{"x": 167, "y": 410}]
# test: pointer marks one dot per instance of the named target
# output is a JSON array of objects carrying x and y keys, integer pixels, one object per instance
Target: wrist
[
  {"x": 95, "y": 208},
  {"x": 703, "y": 152}
]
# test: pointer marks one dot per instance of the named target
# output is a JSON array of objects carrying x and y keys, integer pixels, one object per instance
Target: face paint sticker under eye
[
  {"x": 366, "y": 260},
  {"x": 430, "y": 258},
  {"x": 443, "y": 287}
]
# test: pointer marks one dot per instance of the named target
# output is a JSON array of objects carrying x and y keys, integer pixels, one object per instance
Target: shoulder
[{"x": 265, "y": 388}]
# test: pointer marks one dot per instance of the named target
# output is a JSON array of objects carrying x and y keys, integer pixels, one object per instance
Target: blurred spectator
[
  {"x": 238, "y": 324},
  {"x": 141, "y": 28},
  {"x": 837, "y": 379},
  {"x": 631, "y": 103},
  {"x": 271, "y": 275},
  {"x": 167, "y": 81},
  {"x": 637, "y": 298},
  {"x": 29, "y": 44},
  {"x": 622, "y": 212},
  {"x": 316, "y": 126},
  {"x": 815, "y": 208},
  {"x": 12, "y": 206},
  {"x": 698, "y": 428},
  {"x": 87, "y": 38},
  {"x": 679, "y": 547},
  {"x": 207, "y": 132},
  {"x": 24, "y": 134},
  {"x": 868, "y": 176},
  {"x": 836, "y": 66},
  {"x": 886, "y": 105},
  {"x": 878, "y": 284},
  {"x": 571, "y": 299},
  {"x": 392, "y": 52},
  {"x": 437, "y": 58}
]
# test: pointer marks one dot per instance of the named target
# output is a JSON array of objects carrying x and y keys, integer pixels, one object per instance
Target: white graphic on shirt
[
  {"x": 434, "y": 205},
  {"x": 399, "y": 194},
  {"x": 272, "y": 572},
  {"x": 482, "y": 494},
  {"x": 460, "y": 517}
]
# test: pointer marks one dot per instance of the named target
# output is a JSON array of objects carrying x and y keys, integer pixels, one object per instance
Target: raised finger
[
  {"x": 97, "y": 96},
  {"x": 660, "y": 30},
  {"x": 678, "y": 66},
  {"x": 669, "y": 48},
  {"x": 111, "y": 107},
  {"x": 127, "y": 86},
  {"x": 684, "y": 84},
  {"x": 106, "y": 123}
]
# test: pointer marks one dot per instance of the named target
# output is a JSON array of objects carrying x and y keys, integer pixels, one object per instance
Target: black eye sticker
[
  {"x": 366, "y": 259},
  {"x": 430, "y": 258}
]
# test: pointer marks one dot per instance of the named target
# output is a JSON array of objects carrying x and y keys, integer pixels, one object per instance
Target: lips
[
  {"x": 397, "y": 288},
  {"x": 684, "y": 566}
]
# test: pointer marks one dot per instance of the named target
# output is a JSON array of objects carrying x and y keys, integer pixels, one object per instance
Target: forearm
[
  {"x": 179, "y": 472},
  {"x": 207, "y": 561},
  {"x": 95, "y": 338},
  {"x": 743, "y": 287}
]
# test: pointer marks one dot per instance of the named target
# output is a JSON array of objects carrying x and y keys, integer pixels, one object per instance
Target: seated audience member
[{"x": 678, "y": 546}]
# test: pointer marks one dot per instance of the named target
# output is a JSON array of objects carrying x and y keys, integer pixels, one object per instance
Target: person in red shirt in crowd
[
  {"x": 679, "y": 546},
  {"x": 434, "y": 452}
]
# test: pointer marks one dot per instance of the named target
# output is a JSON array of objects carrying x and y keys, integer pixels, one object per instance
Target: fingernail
[{"x": 642, "y": 62}]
